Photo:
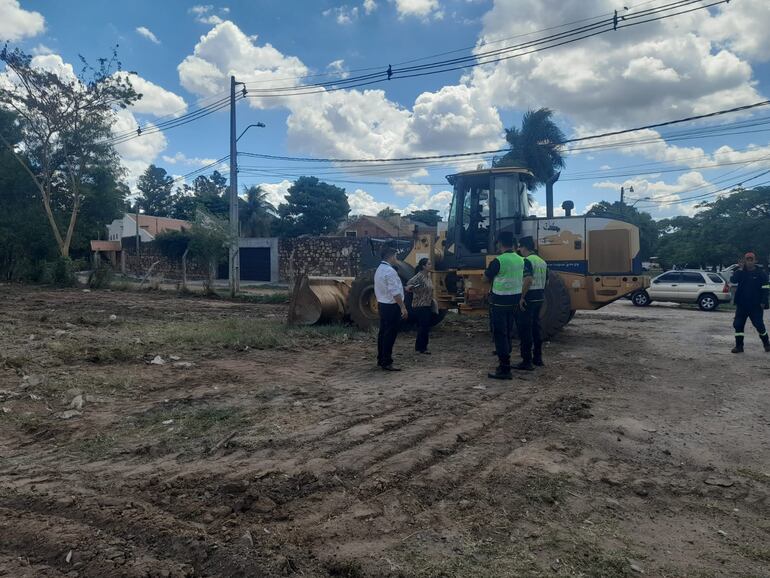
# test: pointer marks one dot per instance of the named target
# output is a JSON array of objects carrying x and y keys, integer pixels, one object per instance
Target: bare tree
[{"x": 65, "y": 123}]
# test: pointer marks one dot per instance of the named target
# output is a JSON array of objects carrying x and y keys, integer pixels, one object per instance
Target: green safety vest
[
  {"x": 510, "y": 278},
  {"x": 539, "y": 271}
]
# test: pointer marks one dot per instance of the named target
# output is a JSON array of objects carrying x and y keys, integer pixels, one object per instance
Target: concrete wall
[{"x": 273, "y": 244}]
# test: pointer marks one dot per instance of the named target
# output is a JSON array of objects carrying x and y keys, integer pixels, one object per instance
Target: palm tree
[
  {"x": 256, "y": 213},
  {"x": 535, "y": 146}
]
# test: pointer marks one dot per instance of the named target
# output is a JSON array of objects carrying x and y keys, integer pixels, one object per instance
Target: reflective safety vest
[
  {"x": 539, "y": 271},
  {"x": 510, "y": 278}
]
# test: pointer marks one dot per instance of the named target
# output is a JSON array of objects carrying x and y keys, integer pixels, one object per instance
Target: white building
[{"x": 149, "y": 227}]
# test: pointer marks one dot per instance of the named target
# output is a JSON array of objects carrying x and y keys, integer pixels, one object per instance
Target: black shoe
[
  {"x": 500, "y": 373},
  {"x": 767, "y": 347},
  {"x": 538, "y": 362},
  {"x": 390, "y": 367},
  {"x": 524, "y": 366},
  {"x": 737, "y": 349}
]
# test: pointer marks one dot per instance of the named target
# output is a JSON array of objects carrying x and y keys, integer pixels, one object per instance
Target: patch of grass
[
  {"x": 253, "y": 333},
  {"x": 190, "y": 422},
  {"x": 278, "y": 298},
  {"x": 13, "y": 361},
  {"x": 548, "y": 490},
  {"x": 486, "y": 559},
  {"x": 756, "y": 554},
  {"x": 103, "y": 353},
  {"x": 753, "y": 475},
  {"x": 96, "y": 447},
  {"x": 592, "y": 562}
]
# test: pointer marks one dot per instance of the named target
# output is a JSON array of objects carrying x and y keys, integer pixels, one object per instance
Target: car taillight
[{"x": 726, "y": 288}]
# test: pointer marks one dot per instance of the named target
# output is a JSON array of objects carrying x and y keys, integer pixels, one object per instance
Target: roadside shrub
[
  {"x": 101, "y": 277},
  {"x": 63, "y": 273}
]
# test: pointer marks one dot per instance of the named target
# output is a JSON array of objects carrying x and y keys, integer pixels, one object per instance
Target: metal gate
[{"x": 255, "y": 263}]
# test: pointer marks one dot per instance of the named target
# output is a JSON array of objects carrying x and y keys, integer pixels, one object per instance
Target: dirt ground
[{"x": 255, "y": 450}]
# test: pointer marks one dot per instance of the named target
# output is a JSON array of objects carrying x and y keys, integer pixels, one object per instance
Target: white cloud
[
  {"x": 276, "y": 192},
  {"x": 136, "y": 154},
  {"x": 369, "y": 6},
  {"x": 204, "y": 14},
  {"x": 418, "y": 8},
  {"x": 148, "y": 34},
  {"x": 181, "y": 158},
  {"x": 344, "y": 15},
  {"x": 155, "y": 100},
  {"x": 41, "y": 49},
  {"x": 665, "y": 69},
  {"x": 742, "y": 26},
  {"x": 363, "y": 203},
  {"x": 17, "y": 23},
  {"x": 338, "y": 67},
  {"x": 226, "y": 50}
]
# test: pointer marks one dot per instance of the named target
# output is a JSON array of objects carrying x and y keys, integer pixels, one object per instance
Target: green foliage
[
  {"x": 101, "y": 277},
  {"x": 64, "y": 123},
  {"x": 720, "y": 233},
  {"x": 257, "y": 214},
  {"x": 313, "y": 208},
  {"x": 63, "y": 272},
  {"x": 173, "y": 244},
  {"x": 535, "y": 146},
  {"x": 428, "y": 216},
  {"x": 156, "y": 185},
  {"x": 648, "y": 229},
  {"x": 387, "y": 213}
]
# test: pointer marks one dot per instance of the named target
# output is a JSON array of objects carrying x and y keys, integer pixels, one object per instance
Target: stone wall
[
  {"x": 327, "y": 256},
  {"x": 166, "y": 268}
]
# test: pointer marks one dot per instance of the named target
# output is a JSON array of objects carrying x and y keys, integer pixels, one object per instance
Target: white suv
[{"x": 706, "y": 289}]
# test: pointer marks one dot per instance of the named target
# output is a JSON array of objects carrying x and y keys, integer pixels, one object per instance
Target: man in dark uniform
[
  {"x": 532, "y": 297},
  {"x": 506, "y": 274},
  {"x": 750, "y": 298}
]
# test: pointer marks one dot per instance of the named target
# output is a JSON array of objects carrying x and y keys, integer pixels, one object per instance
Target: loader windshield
[{"x": 511, "y": 201}]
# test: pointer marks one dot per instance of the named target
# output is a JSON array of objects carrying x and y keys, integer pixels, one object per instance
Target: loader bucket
[{"x": 319, "y": 299}]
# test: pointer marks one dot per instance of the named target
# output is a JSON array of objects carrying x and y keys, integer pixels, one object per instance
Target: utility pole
[
  {"x": 622, "y": 192},
  {"x": 234, "y": 268}
]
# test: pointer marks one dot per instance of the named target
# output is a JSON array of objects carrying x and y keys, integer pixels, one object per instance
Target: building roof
[
  {"x": 154, "y": 225},
  {"x": 105, "y": 246},
  {"x": 402, "y": 228}
]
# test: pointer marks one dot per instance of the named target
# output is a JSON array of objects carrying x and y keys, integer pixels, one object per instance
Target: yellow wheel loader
[{"x": 592, "y": 261}]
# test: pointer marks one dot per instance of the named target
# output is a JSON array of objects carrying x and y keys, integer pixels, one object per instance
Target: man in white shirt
[{"x": 390, "y": 300}]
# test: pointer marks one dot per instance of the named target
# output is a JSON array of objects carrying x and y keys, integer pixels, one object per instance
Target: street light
[
  {"x": 642, "y": 199},
  {"x": 623, "y": 191}
]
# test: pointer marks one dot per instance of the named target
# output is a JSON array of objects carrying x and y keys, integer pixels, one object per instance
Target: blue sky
[{"x": 183, "y": 54}]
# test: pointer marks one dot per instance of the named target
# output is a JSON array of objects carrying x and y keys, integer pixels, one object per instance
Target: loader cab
[{"x": 484, "y": 203}]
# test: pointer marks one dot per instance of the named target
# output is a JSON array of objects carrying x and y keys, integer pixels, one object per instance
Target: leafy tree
[
  {"x": 428, "y": 216},
  {"x": 211, "y": 193},
  {"x": 387, "y": 213},
  {"x": 257, "y": 214},
  {"x": 155, "y": 185},
  {"x": 648, "y": 229},
  {"x": 313, "y": 208},
  {"x": 65, "y": 124},
  {"x": 25, "y": 241},
  {"x": 184, "y": 203},
  {"x": 535, "y": 146}
]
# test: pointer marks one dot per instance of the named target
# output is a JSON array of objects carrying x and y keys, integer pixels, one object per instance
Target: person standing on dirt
[
  {"x": 421, "y": 287},
  {"x": 532, "y": 297},
  {"x": 750, "y": 298},
  {"x": 390, "y": 300},
  {"x": 506, "y": 273}
]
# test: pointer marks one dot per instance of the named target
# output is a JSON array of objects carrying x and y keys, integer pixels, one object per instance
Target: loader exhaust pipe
[{"x": 549, "y": 194}]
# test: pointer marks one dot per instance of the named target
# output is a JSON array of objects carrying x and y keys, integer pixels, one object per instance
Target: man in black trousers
[
  {"x": 751, "y": 298},
  {"x": 390, "y": 300}
]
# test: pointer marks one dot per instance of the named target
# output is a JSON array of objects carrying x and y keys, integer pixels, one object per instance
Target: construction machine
[{"x": 592, "y": 261}]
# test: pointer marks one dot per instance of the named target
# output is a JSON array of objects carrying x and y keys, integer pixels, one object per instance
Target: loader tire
[
  {"x": 362, "y": 304},
  {"x": 557, "y": 309}
]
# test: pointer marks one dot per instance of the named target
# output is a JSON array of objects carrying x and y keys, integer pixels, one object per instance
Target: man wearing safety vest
[
  {"x": 506, "y": 273},
  {"x": 532, "y": 297}
]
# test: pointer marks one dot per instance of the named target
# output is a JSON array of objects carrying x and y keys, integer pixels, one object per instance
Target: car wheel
[
  {"x": 641, "y": 299},
  {"x": 707, "y": 302}
]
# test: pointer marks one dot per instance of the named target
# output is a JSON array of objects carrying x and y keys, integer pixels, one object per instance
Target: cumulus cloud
[
  {"x": 226, "y": 50},
  {"x": 369, "y": 6},
  {"x": 17, "y": 23},
  {"x": 148, "y": 34},
  {"x": 419, "y": 8},
  {"x": 181, "y": 158},
  {"x": 205, "y": 14},
  {"x": 672, "y": 67},
  {"x": 338, "y": 67},
  {"x": 342, "y": 14},
  {"x": 155, "y": 100},
  {"x": 276, "y": 192}
]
